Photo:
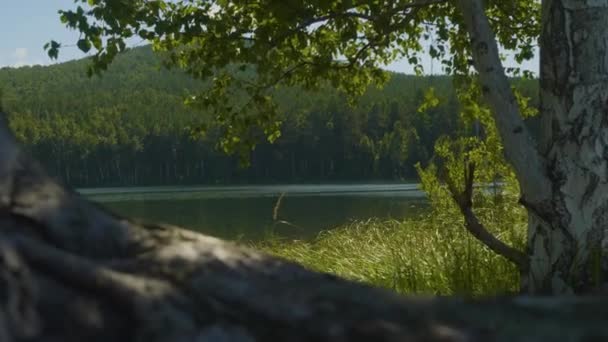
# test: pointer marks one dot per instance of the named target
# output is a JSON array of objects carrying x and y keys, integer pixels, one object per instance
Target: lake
[{"x": 247, "y": 212}]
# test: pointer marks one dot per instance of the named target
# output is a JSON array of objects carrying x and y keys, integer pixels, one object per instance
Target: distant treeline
[{"x": 130, "y": 127}]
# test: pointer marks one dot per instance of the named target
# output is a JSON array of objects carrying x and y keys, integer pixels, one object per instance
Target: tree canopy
[{"x": 296, "y": 42}]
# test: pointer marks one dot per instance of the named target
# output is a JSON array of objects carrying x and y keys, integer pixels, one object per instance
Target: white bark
[
  {"x": 520, "y": 147},
  {"x": 566, "y": 239},
  {"x": 565, "y": 186}
]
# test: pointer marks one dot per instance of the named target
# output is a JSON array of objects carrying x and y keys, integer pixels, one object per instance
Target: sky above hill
[{"x": 26, "y": 25}]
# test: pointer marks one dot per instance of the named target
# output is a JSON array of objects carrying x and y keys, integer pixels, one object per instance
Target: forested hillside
[{"x": 130, "y": 127}]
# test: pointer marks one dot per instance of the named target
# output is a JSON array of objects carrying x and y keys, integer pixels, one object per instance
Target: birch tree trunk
[
  {"x": 563, "y": 180},
  {"x": 566, "y": 251}
]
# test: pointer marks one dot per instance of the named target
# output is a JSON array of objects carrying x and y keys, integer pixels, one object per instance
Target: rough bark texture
[
  {"x": 565, "y": 181},
  {"x": 566, "y": 238},
  {"x": 69, "y": 271}
]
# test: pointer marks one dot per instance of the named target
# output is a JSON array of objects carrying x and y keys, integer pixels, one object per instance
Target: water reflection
[{"x": 247, "y": 211}]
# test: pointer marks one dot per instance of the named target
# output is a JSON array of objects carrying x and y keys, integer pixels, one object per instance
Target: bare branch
[
  {"x": 464, "y": 200},
  {"x": 520, "y": 147}
]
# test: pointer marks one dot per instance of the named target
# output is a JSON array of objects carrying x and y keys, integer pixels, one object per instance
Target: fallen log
[{"x": 72, "y": 271}]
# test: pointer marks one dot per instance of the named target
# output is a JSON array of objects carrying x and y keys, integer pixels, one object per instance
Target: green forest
[
  {"x": 258, "y": 170},
  {"x": 131, "y": 127}
]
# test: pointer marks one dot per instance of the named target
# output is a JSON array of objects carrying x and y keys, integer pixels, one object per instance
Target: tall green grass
[{"x": 433, "y": 254}]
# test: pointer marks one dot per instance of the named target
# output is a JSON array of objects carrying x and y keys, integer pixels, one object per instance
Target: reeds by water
[{"x": 432, "y": 254}]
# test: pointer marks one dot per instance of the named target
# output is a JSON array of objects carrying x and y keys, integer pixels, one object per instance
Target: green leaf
[{"x": 84, "y": 45}]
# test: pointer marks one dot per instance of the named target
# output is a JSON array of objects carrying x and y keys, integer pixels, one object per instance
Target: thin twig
[
  {"x": 277, "y": 206},
  {"x": 275, "y": 213}
]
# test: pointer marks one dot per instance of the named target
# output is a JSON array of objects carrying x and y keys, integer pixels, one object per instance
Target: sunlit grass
[{"x": 433, "y": 254}]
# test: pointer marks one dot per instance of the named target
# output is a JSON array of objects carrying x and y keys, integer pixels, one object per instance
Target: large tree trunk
[
  {"x": 566, "y": 238},
  {"x": 564, "y": 181},
  {"x": 69, "y": 271}
]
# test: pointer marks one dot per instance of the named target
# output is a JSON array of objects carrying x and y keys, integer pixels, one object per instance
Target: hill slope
[{"x": 130, "y": 127}]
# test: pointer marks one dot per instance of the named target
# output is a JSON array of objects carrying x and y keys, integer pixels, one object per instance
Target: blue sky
[{"x": 26, "y": 25}]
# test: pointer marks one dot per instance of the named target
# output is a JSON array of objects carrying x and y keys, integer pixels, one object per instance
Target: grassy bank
[{"x": 428, "y": 255}]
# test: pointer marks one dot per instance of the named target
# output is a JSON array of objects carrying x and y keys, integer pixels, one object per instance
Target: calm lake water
[{"x": 246, "y": 212}]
